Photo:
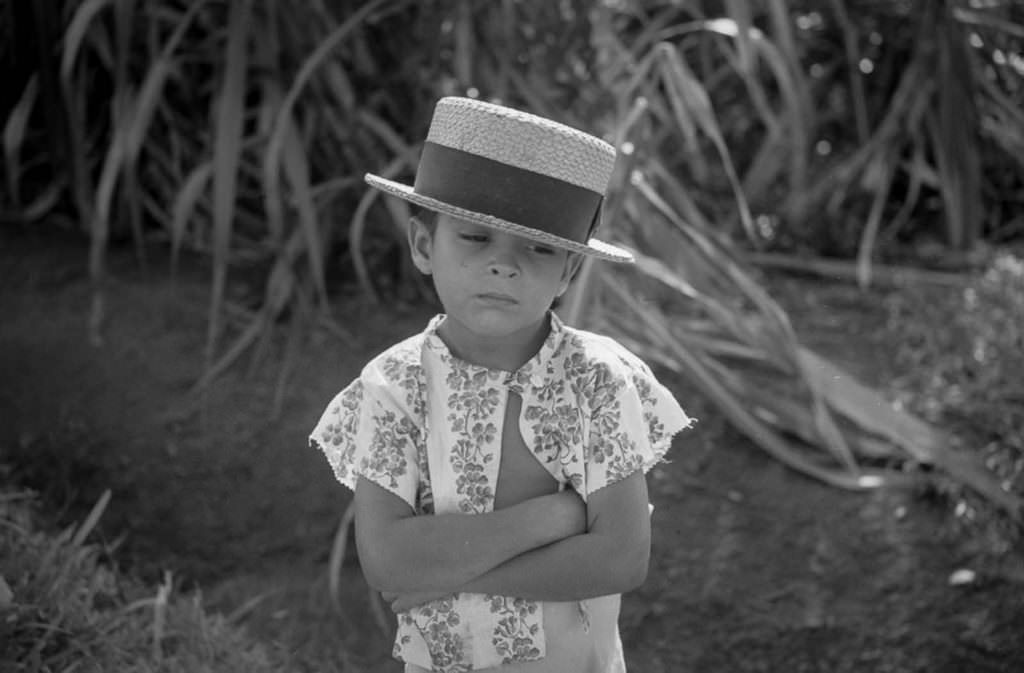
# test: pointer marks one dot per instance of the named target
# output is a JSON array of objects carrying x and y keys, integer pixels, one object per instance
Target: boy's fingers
[{"x": 399, "y": 605}]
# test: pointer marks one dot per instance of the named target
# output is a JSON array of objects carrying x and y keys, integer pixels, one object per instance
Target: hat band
[{"x": 518, "y": 195}]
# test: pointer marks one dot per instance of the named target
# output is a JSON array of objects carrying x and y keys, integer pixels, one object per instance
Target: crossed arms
[{"x": 548, "y": 548}]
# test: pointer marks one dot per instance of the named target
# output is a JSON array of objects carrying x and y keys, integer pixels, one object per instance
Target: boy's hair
[{"x": 427, "y": 218}]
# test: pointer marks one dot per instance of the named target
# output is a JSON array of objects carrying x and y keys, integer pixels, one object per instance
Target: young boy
[{"x": 498, "y": 457}]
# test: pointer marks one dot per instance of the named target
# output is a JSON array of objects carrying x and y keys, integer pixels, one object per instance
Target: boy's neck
[{"x": 507, "y": 353}]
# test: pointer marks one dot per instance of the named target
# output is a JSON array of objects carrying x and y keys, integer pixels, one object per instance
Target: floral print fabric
[{"x": 427, "y": 426}]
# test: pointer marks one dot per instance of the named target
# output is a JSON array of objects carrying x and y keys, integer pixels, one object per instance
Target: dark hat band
[{"x": 527, "y": 198}]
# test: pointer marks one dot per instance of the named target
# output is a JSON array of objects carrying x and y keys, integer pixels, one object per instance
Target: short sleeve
[
  {"x": 633, "y": 420},
  {"x": 366, "y": 432}
]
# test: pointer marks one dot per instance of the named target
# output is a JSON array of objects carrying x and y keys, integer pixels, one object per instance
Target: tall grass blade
[
  {"x": 297, "y": 169},
  {"x": 720, "y": 261},
  {"x": 860, "y": 112},
  {"x": 151, "y": 92},
  {"x": 44, "y": 202},
  {"x": 919, "y": 173},
  {"x": 738, "y": 326},
  {"x": 1004, "y": 121},
  {"x": 272, "y": 161},
  {"x": 796, "y": 88},
  {"x": 464, "y": 43},
  {"x": 160, "y": 605},
  {"x": 129, "y": 196},
  {"x": 99, "y": 229},
  {"x": 90, "y": 521},
  {"x": 953, "y": 128},
  {"x": 913, "y": 92},
  {"x": 357, "y": 229},
  {"x": 689, "y": 98},
  {"x": 228, "y": 115},
  {"x": 576, "y": 303},
  {"x": 978, "y": 17},
  {"x": 189, "y": 197},
  {"x": 257, "y": 326},
  {"x": 775, "y": 336},
  {"x": 341, "y": 86},
  {"x": 740, "y": 13},
  {"x": 669, "y": 352},
  {"x": 882, "y": 171},
  {"x": 926, "y": 444},
  {"x": 674, "y": 188},
  {"x": 299, "y": 323},
  {"x": 279, "y": 290},
  {"x": 76, "y": 33},
  {"x": 14, "y": 138},
  {"x": 273, "y": 198},
  {"x": 184, "y": 205}
]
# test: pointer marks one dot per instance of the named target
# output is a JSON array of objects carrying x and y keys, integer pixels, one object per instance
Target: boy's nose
[{"x": 503, "y": 268}]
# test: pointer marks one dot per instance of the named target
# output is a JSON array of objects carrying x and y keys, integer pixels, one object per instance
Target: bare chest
[{"x": 520, "y": 474}]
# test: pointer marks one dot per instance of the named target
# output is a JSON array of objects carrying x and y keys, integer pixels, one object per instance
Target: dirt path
[{"x": 755, "y": 568}]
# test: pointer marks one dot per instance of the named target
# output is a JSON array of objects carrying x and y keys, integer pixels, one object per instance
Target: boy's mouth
[{"x": 497, "y": 297}]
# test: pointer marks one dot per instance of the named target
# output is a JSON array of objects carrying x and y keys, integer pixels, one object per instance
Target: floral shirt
[{"x": 427, "y": 426}]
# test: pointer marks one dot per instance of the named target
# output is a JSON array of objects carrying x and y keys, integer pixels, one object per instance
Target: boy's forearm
[
  {"x": 435, "y": 553},
  {"x": 439, "y": 551},
  {"x": 611, "y": 557},
  {"x": 575, "y": 568}
]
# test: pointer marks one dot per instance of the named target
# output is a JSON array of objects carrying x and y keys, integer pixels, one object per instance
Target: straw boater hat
[{"x": 513, "y": 171}]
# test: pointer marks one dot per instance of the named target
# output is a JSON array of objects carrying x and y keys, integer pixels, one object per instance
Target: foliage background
[
  {"x": 875, "y": 140},
  {"x": 241, "y": 129}
]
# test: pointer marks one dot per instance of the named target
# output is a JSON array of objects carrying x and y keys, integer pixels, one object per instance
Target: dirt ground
[{"x": 754, "y": 567}]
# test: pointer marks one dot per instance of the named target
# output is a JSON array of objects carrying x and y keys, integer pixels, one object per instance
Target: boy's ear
[{"x": 419, "y": 245}]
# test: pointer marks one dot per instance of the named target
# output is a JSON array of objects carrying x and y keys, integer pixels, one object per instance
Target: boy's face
[{"x": 491, "y": 283}]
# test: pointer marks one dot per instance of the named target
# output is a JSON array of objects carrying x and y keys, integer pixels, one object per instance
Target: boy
[{"x": 498, "y": 457}]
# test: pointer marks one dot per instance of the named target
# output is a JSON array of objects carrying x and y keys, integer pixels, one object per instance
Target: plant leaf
[
  {"x": 14, "y": 137},
  {"x": 228, "y": 121}
]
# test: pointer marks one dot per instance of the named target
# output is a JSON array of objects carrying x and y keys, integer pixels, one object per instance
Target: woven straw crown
[
  {"x": 514, "y": 171},
  {"x": 523, "y": 140}
]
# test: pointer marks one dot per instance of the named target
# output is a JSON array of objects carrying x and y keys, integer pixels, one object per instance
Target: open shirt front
[{"x": 427, "y": 426}]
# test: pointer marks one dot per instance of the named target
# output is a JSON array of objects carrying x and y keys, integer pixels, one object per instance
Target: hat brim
[{"x": 593, "y": 247}]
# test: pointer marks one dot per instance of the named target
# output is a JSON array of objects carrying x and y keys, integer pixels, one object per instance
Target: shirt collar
[{"x": 530, "y": 370}]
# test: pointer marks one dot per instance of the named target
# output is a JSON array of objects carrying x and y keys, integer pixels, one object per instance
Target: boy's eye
[
  {"x": 473, "y": 237},
  {"x": 542, "y": 249}
]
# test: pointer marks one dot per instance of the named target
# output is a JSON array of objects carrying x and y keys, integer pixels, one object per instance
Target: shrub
[
  {"x": 63, "y": 607},
  {"x": 963, "y": 353}
]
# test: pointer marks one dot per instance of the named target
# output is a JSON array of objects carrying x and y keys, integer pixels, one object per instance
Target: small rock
[{"x": 962, "y": 576}]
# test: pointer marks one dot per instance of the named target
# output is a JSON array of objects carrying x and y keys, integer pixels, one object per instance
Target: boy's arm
[
  {"x": 610, "y": 558},
  {"x": 402, "y": 553}
]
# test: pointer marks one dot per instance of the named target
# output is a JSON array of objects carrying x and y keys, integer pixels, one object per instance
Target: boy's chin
[{"x": 488, "y": 325}]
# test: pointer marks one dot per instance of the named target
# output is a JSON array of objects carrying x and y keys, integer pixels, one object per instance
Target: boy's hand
[
  {"x": 405, "y": 602},
  {"x": 569, "y": 512}
]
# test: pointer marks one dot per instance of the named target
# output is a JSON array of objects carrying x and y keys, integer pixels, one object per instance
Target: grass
[
  {"x": 65, "y": 607},
  {"x": 962, "y": 354}
]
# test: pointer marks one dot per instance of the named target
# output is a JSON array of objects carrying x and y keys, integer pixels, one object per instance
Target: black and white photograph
[{"x": 512, "y": 336}]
